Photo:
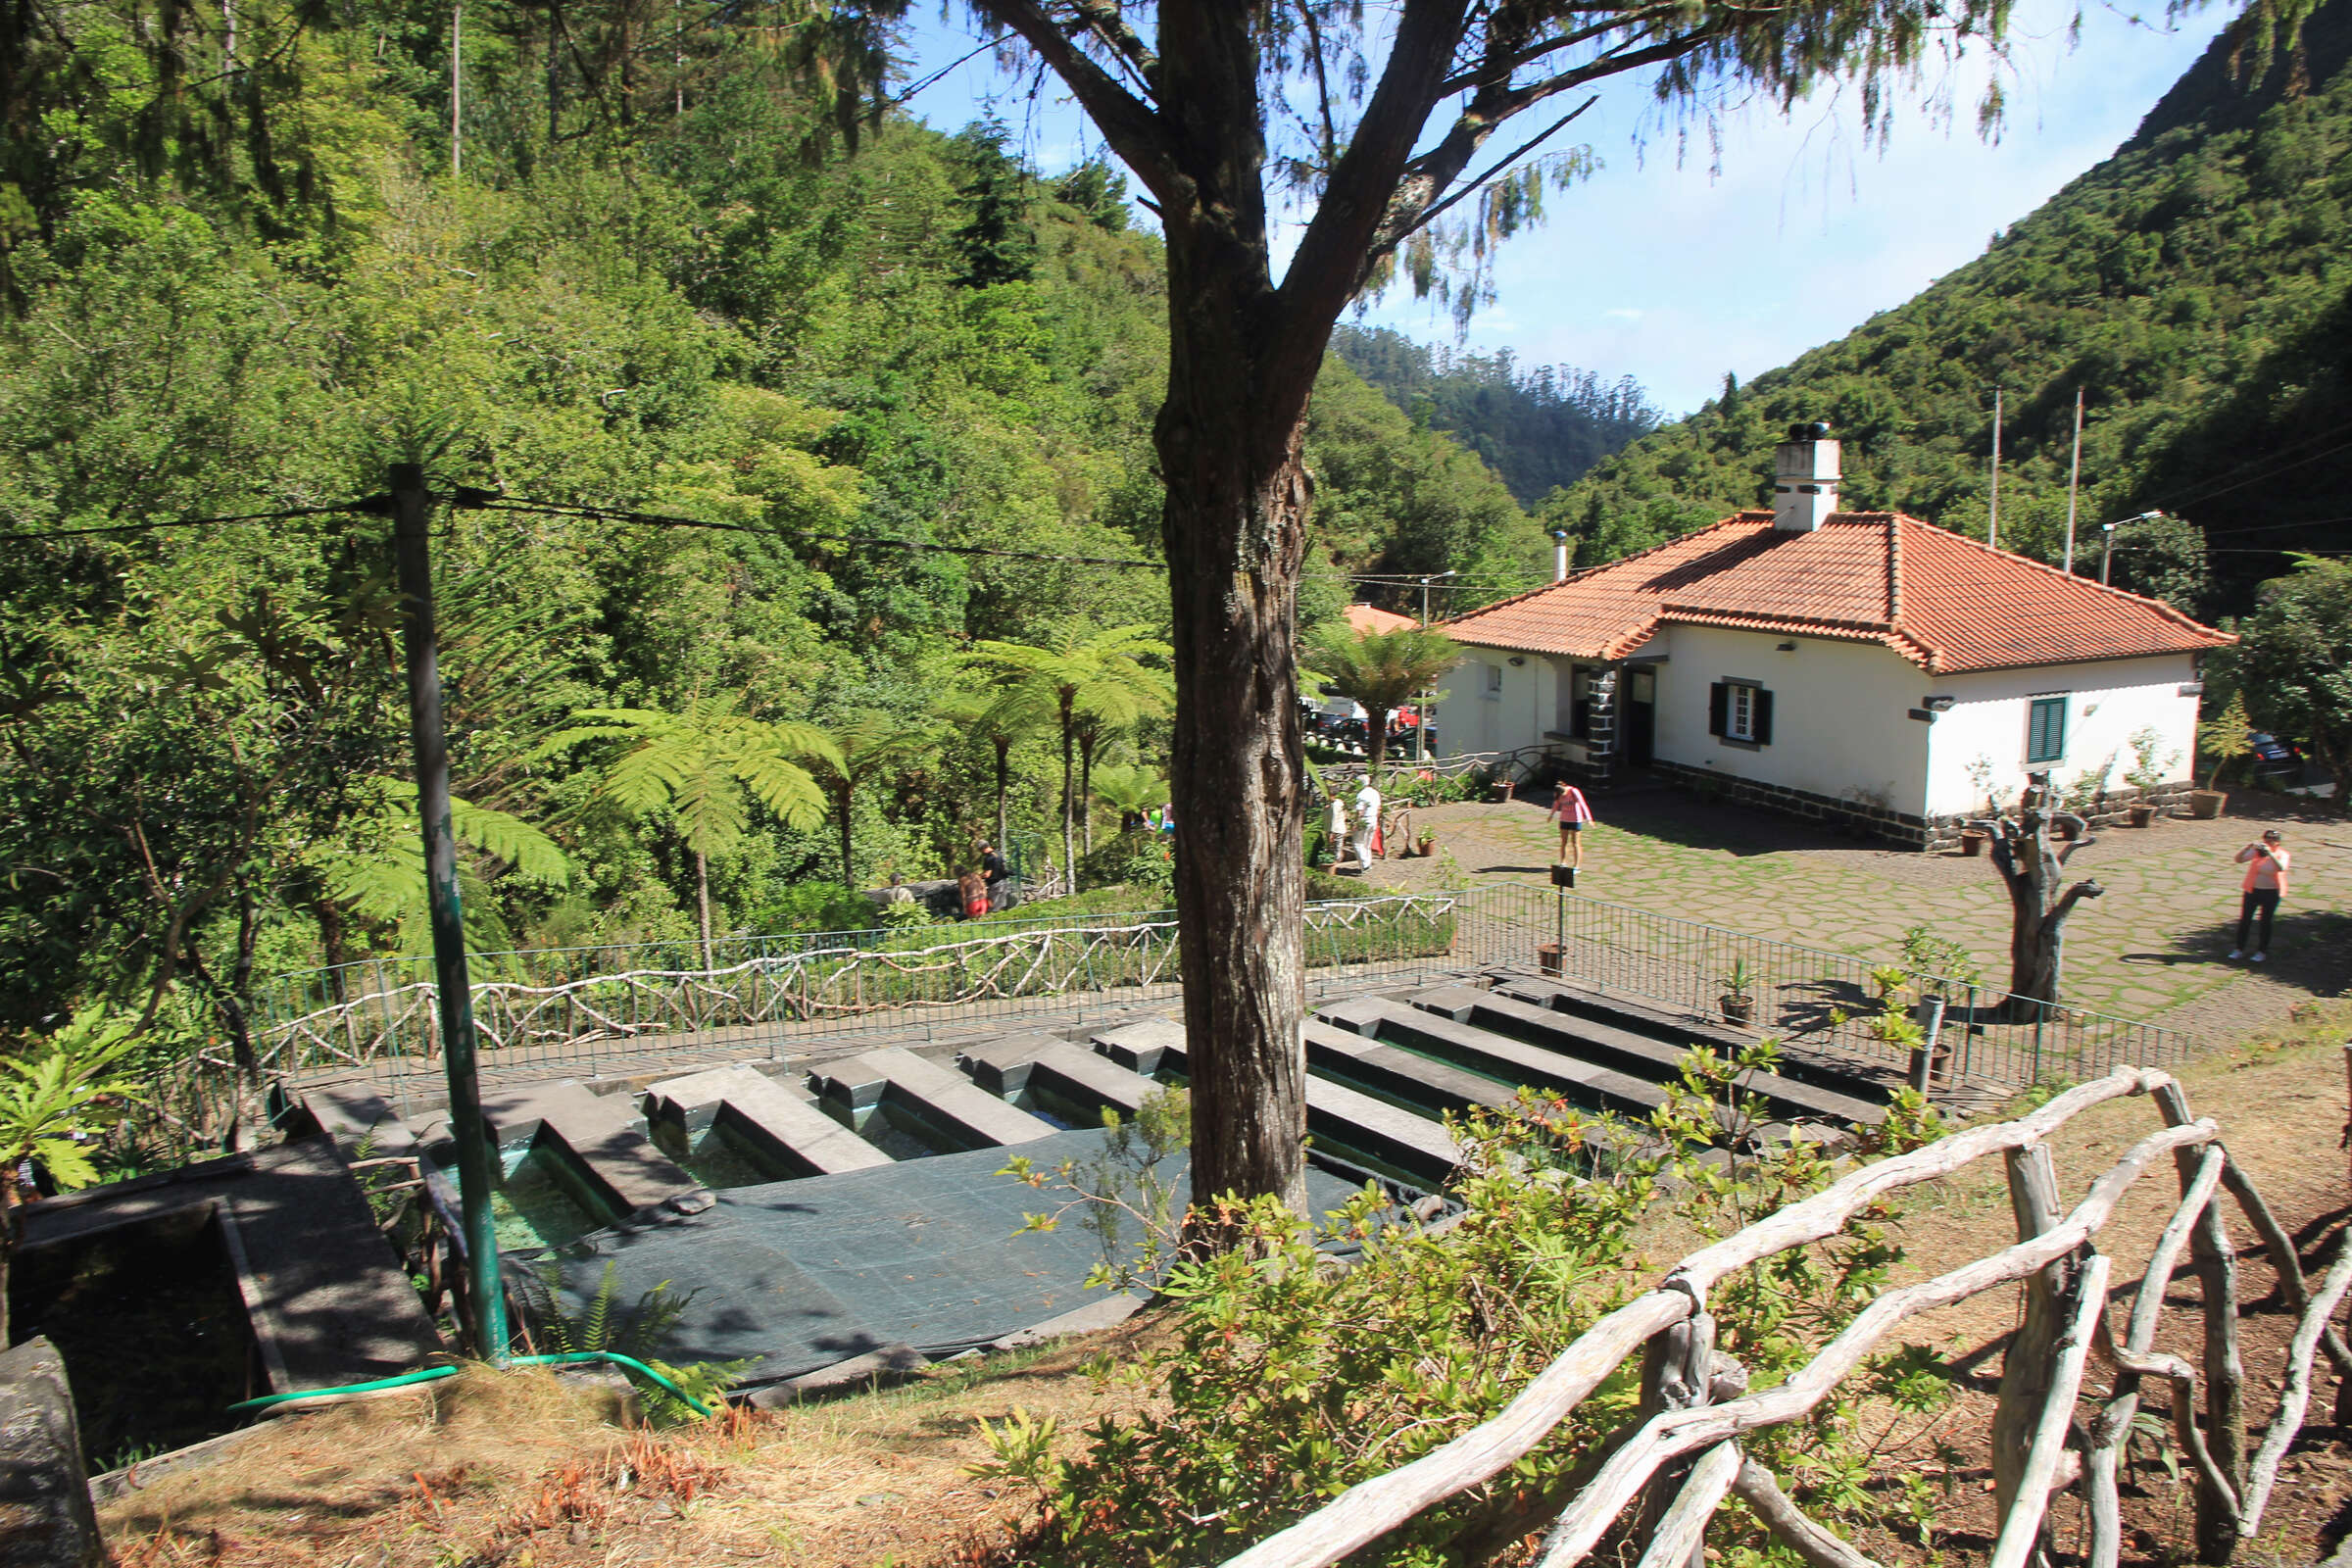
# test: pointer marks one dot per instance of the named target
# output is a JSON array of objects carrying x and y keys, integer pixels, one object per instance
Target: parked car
[{"x": 2273, "y": 751}]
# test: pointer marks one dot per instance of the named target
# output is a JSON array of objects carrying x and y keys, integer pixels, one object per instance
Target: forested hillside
[
  {"x": 1538, "y": 428},
  {"x": 682, "y": 265},
  {"x": 2194, "y": 285}
]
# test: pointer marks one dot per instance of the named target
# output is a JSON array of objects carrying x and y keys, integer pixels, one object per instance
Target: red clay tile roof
[
  {"x": 1369, "y": 619},
  {"x": 1943, "y": 601}
]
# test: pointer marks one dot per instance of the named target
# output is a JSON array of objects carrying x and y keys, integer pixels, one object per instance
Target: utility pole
[
  {"x": 2106, "y": 550},
  {"x": 1992, "y": 523},
  {"x": 1421, "y": 717},
  {"x": 457, "y": 51},
  {"x": 2074, "y": 483},
  {"x": 411, "y": 549}
]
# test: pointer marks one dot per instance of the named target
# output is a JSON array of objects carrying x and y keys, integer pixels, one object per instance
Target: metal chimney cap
[{"x": 1809, "y": 430}]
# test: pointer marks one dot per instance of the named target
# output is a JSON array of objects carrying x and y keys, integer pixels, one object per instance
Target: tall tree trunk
[
  {"x": 1376, "y": 745},
  {"x": 1235, "y": 530},
  {"x": 2034, "y": 867},
  {"x": 1004, "y": 746},
  {"x": 840, "y": 807},
  {"x": 1070, "y": 829},
  {"x": 1086, "y": 789},
  {"x": 701, "y": 901}
]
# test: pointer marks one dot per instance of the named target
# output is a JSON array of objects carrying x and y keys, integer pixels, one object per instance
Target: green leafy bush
[
  {"x": 1141, "y": 859},
  {"x": 815, "y": 907},
  {"x": 1287, "y": 1380}
]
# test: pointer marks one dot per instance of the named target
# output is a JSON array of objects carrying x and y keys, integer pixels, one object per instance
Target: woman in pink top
[
  {"x": 2266, "y": 866},
  {"x": 1568, "y": 809}
]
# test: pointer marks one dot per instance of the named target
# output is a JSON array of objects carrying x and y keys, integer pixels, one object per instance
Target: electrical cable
[
  {"x": 368, "y": 503},
  {"x": 479, "y": 501}
]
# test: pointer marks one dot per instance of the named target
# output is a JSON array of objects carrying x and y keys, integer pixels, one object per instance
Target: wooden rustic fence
[{"x": 1670, "y": 1467}]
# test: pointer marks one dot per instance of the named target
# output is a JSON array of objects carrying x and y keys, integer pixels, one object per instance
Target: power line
[
  {"x": 367, "y": 505},
  {"x": 481, "y": 501}
]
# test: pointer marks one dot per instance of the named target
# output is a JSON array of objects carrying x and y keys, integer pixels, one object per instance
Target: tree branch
[
  {"x": 1332, "y": 255},
  {"x": 1132, "y": 126}
]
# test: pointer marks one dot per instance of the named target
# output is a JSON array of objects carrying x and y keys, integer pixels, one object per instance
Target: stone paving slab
[
  {"x": 931, "y": 1093},
  {"x": 766, "y": 1114},
  {"x": 326, "y": 1296},
  {"x": 1412, "y": 1141},
  {"x": 601, "y": 1131},
  {"x": 1591, "y": 1040},
  {"x": 1596, "y": 1088}
]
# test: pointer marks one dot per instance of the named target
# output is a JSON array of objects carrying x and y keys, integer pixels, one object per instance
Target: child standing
[{"x": 1570, "y": 810}]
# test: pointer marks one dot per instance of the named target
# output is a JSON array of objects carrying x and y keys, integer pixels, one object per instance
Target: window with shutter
[
  {"x": 2045, "y": 730},
  {"x": 1740, "y": 711}
]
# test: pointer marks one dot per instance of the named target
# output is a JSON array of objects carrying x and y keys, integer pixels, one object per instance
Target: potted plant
[
  {"x": 1973, "y": 839},
  {"x": 2222, "y": 740},
  {"x": 1737, "y": 1005},
  {"x": 1426, "y": 845},
  {"x": 2150, "y": 762}
]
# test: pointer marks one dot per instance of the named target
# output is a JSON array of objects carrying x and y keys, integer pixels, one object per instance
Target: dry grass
[{"x": 518, "y": 1469}]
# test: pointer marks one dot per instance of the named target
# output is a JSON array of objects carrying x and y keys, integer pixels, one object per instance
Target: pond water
[
  {"x": 151, "y": 1329},
  {"x": 542, "y": 1202}
]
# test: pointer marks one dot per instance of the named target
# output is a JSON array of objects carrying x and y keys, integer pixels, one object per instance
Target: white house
[{"x": 1862, "y": 666}]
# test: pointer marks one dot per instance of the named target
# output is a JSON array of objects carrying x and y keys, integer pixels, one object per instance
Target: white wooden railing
[{"x": 1681, "y": 1456}]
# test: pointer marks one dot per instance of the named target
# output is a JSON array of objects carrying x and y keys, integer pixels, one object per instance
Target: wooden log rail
[{"x": 1679, "y": 1457}]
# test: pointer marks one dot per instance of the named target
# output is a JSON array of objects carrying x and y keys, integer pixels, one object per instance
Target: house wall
[
  {"x": 2107, "y": 701},
  {"x": 1471, "y": 718},
  {"x": 1842, "y": 744}
]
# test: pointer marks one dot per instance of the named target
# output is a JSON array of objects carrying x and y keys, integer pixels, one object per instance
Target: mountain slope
[
  {"x": 2196, "y": 285},
  {"x": 1538, "y": 429}
]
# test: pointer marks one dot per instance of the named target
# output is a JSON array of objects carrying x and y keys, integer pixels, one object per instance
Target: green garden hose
[{"x": 434, "y": 1373}]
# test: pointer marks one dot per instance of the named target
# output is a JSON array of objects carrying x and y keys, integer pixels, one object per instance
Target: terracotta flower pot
[
  {"x": 2142, "y": 814},
  {"x": 1972, "y": 841},
  {"x": 2206, "y": 804}
]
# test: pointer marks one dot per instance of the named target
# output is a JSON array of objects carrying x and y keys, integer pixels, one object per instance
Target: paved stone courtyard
[{"x": 2154, "y": 948}]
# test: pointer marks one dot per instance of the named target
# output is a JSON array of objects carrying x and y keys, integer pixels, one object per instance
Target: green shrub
[
  {"x": 813, "y": 906},
  {"x": 1285, "y": 1381},
  {"x": 1139, "y": 860}
]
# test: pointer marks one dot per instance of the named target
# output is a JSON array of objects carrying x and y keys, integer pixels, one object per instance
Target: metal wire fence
[
  {"x": 1984, "y": 1037},
  {"x": 572, "y": 1007},
  {"x": 573, "y": 1010}
]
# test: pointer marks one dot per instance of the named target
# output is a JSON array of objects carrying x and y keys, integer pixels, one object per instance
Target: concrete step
[
  {"x": 361, "y": 1121},
  {"x": 1141, "y": 1047},
  {"x": 1067, "y": 1072},
  {"x": 1411, "y": 1143},
  {"x": 1591, "y": 1040},
  {"x": 600, "y": 1131},
  {"x": 958, "y": 1109},
  {"x": 1514, "y": 1061},
  {"x": 765, "y": 1113},
  {"x": 1678, "y": 1028}
]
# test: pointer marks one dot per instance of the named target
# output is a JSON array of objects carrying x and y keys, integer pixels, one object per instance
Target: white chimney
[
  {"x": 1804, "y": 479},
  {"x": 1559, "y": 555}
]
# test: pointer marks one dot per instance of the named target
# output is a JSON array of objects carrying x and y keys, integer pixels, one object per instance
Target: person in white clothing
[
  {"x": 1367, "y": 823},
  {"x": 1336, "y": 831}
]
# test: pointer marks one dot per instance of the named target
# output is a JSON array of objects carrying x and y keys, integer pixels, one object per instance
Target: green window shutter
[
  {"x": 1719, "y": 707},
  {"x": 2045, "y": 730},
  {"x": 1760, "y": 717}
]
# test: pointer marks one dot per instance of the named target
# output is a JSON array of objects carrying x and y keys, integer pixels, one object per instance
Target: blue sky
[{"x": 1676, "y": 269}]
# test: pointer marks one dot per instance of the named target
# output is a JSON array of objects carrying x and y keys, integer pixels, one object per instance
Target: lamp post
[
  {"x": 2107, "y": 540},
  {"x": 1421, "y": 716}
]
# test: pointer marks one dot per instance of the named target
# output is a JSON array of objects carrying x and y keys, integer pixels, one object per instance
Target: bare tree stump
[{"x": 2032, "y": 869}]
